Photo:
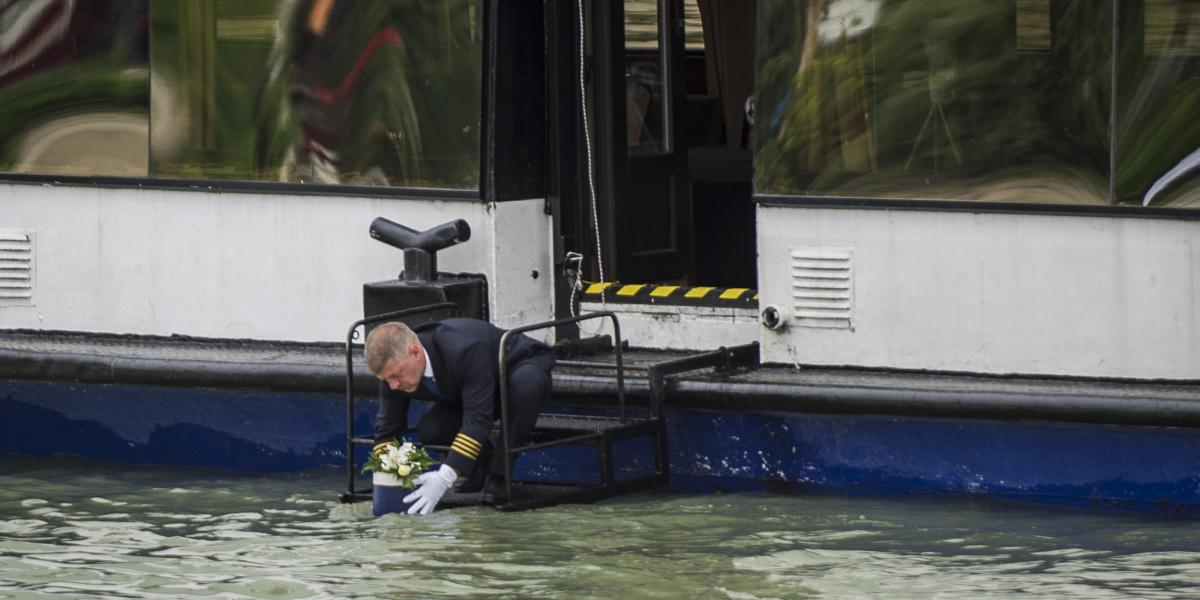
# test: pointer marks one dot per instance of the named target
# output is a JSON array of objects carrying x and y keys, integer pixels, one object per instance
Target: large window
[
  {"x": 386, "y": 92},
  {"x": 983, "y": 100}
]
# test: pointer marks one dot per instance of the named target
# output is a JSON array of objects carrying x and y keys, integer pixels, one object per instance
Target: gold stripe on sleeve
[
  {"x": 469, "y": 441},
  {"x": 464, "y": 445},
  {"x": 463, "y": 450}
]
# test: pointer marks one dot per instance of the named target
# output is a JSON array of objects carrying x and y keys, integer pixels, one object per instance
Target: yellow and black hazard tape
[{"x": 670, "y": 295}]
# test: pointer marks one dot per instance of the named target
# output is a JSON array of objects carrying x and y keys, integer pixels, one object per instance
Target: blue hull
[{"x": 1092, "y": 466}]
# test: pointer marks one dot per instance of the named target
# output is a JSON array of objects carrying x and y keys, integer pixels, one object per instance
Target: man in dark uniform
[{"x": 454, "y": 364}]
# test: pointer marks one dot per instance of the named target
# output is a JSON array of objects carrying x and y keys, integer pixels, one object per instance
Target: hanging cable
[
  {"x": 574, "y": 268},
  {"x": 587, "y": 136}
]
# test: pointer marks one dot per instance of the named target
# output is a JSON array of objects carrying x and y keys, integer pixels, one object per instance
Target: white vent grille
[
  {"x": 16, "y": 267},
  {"x": 822, "y": 287}
]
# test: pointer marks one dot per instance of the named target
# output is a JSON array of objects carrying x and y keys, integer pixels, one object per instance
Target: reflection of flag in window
[
  {"x": 329, "y": 95},
  {"x": 348, "y": 87},
  {"x": 385, "y": 92},
  {"x": 30, "y": 35}
]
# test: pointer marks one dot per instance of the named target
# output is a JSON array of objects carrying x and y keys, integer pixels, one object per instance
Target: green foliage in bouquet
[{"x": 404, "y": 461}]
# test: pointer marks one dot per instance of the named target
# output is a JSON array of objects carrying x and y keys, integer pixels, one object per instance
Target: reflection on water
[{"x": 79, "y": 528}]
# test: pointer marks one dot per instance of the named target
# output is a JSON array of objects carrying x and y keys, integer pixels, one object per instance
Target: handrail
[
  {"x": 585, "y": 364},
  {"x": 504, "y": 377},
  {"x": 351, "y": 334}
]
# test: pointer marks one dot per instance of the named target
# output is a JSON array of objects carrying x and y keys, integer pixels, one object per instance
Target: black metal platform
[{"x": 599, "y": 432}]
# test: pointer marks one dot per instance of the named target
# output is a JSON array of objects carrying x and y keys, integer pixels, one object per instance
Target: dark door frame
[
  {"x": 565, "y": 197},
  {"x": 623, "y": 175}
]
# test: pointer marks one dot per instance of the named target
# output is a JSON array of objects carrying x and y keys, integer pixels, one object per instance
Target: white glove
[{"x": 431, "y": 487}]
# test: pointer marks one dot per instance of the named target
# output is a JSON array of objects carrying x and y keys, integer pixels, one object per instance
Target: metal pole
[
  {"x": 504, "y": 440},
  {"x": 620, "y": 366},
  {"x": 350, "y": 412}
]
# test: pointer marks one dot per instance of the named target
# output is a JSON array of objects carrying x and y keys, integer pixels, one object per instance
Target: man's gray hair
[{"x": 386, "y": 342}]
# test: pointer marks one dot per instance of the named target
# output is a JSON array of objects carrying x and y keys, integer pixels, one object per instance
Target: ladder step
[
  {"x": 578, "y": 423},
  {"x": 548, "y": 423},
  {"x": 355, "y": 496}
]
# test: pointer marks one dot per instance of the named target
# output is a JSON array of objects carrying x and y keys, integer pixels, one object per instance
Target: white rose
[
  {"x": 405, "y": 448},
  {"x": 404, "y": 470},
  {"x": 388, "y": 462}
]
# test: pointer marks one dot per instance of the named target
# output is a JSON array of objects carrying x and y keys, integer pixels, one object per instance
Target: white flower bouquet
[{"x": 404, "y": 461}]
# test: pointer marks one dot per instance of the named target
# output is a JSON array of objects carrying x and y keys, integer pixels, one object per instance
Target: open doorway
[{"x": 668, "y": 84}]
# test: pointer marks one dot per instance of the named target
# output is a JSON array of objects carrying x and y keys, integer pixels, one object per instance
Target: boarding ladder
[{"x": 598, "y": 432}]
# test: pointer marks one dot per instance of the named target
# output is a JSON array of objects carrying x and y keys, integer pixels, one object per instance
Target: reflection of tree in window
[
  {"x": 954, "y": 100},
  {"x": 1157, "y": 133},
  {"x": 823, "y": 121}
]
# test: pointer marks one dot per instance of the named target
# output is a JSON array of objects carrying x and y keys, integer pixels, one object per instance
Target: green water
[{"x": 83, "y": 529}]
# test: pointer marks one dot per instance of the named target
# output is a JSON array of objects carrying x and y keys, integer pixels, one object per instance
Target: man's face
[{"x": 404, "y": 373}]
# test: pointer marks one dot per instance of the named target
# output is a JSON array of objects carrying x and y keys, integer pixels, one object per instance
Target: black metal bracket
[
  {"x": 723, "y": 360},
  {"x": 420, "y": 247},
  {"x": 583, "y": 346}
]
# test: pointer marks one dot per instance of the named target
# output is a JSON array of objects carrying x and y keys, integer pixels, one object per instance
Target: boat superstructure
[{"x": 960, "y": 240}]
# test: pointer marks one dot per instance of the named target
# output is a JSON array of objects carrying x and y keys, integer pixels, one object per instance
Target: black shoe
[
  {"x": 475, "y": 480},
  {"x": 494, "y": 493}
]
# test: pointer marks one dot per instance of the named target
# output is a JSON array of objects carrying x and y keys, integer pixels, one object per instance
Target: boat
[{"x": 913, "y": 249}]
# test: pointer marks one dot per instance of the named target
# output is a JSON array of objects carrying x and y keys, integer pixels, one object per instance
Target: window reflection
[
  {"x": 319, "y": 91},
  {"x": 74, "y": 87},
  {"x": 972, "y": 100},
  {"x": 1158, "y": 134},
  {"x": 645, "y": 109}
]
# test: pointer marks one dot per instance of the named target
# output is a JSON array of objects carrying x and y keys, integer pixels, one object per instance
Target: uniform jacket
[{"x": 464, "y": 356}]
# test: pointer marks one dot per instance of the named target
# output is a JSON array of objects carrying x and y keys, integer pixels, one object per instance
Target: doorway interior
[{"x": 669, "y": 87}]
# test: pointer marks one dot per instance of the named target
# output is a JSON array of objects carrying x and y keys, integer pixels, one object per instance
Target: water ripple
[{"x": 94, "y": 529}]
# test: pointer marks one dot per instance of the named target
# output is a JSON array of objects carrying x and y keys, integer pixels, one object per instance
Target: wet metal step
[{"x": 560, "y": 422}]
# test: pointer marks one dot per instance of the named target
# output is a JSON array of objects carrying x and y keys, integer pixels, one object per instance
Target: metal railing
[
  {"x": 508, "y": 451},
  {"x": 602, "y": 437}
]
